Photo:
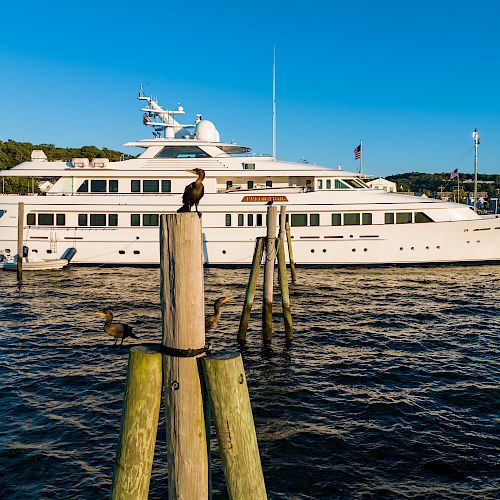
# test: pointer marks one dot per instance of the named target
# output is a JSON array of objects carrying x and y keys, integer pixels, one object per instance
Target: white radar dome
[{"x": 206, "y": 131}]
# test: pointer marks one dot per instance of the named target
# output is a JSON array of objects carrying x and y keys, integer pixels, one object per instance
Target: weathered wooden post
[
  {"x": 267, "y": 309},
  {"x": 183, "y": 326},
  {"x": 20, "y": 239},
  {"x": 250, "y": 293},
  {"x": 230, "y": 402},
  {"x": 290, "y": 253},
  {"x": 141, "y": 408}
]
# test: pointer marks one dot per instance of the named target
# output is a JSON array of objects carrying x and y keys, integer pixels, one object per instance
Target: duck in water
[{"x": 211, "y": 321}]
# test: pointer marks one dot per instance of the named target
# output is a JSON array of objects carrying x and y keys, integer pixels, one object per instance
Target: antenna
[{"x": 274, "y": 103}]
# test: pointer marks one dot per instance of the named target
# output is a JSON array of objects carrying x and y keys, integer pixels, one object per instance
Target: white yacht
[{"x": 109, "y": 211}]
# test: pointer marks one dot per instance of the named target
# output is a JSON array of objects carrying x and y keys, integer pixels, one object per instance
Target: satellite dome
[{"x": 206, "y": 131}]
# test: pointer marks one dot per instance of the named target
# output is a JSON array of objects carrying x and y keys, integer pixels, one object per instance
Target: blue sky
[{"x": 411, "y": 79}]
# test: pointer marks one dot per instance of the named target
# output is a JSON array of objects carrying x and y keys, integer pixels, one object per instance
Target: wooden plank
[
  {"x": 20, "y": 239},
  {"x": 141, "y": 408},
  {"x": 230, "y": 401},
  {"x": 183, "y": 327},
  {"x": 285, "y": 296},
  {"x": 267, "y": 309}
]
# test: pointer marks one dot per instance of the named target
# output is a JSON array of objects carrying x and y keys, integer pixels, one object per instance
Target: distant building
[{"x": 383, "y": 184}]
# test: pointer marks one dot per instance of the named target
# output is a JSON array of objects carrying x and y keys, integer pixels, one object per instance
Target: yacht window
[
  {"x": 314, "y": 220},
  {"x": 135, "y": 186},
  {"x": 82, "y": 220},
  {"x": 366, "y": 219},
  {"x": 389, "y": 218},
  {"x": 299, "y": 220},
  {"x": 328, "y": 184},
  {"x": 228, "y": 219},
  {"x": 98, "y": 186},
  {"x": 30, "y": 219},
  {"x": 336, "y": 219},
  {"x": 250, "y": 185},
  {"x": 60, "y": 219},
  {"x": 240, "y": 219},
  {"x": 352, "y": 219},
  {"x": 229, "y": 184},
  {"x": 98, "y": 220},
  {"x": 259, "y": 219},
  {"x": 135, "y": 219},
  {"x": 340, "y": 185},
  {"x": 150, "y": 219},
  {"x": 421, "y": 217},
  {"x": 182, "y": 152},
  {"x": 403, "y": 218},
  {"x": 320, "y": 183},
  {"x": 45, "y": 219},
  {"x": 269, "y": 184},
  {"x": 151, "y": 186},
  {"x": 84, "y": 187},
  {"x": 113, "y": 186},
  {"x": 166, "y": 186},
  {"x": 250, "y": 220},
  {"x": 112, "y": 219}
]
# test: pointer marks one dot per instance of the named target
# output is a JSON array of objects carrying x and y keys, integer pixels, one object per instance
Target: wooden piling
[
  {"x": 20, "y": 239},
  {"x": 285, "y": 296},
  {"x": 250, "y": 293},
  {"x": 230, "y": 402},
  {"x": 267, "y": 309},
  {"x": 290, "y": 253},
  {"x": 141, "y": 408},
  {"x": 183, "y": 326}
]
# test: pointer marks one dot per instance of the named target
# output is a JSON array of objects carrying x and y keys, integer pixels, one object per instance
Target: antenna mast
[{"x": 274, "y": 103}]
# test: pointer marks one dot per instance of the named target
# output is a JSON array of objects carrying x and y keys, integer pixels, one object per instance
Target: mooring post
[
  {"x": 267, "y": 309},
  {"x": 250, "y": 293},
  {"x": 141, "y": 408},
  {"x": 20, "y": 239},
  {"x": 230, "y": 402},
  {"x": 285, "y": 295},
  {"x": 183, "y": 327},
  {"x": 290, "y": 253}
]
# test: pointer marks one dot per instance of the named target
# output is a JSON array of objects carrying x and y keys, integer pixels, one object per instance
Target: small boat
[{"x": 35, "y": 263}]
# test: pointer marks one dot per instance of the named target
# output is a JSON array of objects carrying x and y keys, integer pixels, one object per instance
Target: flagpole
[
  {"x": 458, "y": 187},
  {"x": 361, "y": 158},
  {"x": 274, "y": 103},
  {"x": 475, "y": 136}
]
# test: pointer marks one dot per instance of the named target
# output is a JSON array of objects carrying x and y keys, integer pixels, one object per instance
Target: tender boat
[{"x": 109, "y": 211}]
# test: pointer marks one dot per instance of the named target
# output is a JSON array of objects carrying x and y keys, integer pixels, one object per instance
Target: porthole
[
  {"x": 438, "y": 247},
  {"x": 365, "y": 249},
  {"x": 137, "y": 237},
  {"x": 466, "y": 230},
  {"x": 49, "y": 251},
  {"x": 427, "y": 248},
  {"x": 223, "y": 251},
  {"x": 401, "y": 248},
  {"x": 312, "y": 250},
  {"x": 468, "y": 241},
  {"x": 412, "y": 248},
  {"x": 324, "y": 250},
  {"x": 353, "y": 249},
  {"x": 121, "y": 252},
  {"x": 351, "y": 236},
  {"x": 34, "y": 251},
  {"x": 137, "y": 252},
  {"x": 479, "y": 241}
]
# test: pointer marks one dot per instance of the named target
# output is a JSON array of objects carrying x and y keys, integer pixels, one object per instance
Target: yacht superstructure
[{"x": 109, "y": 211}]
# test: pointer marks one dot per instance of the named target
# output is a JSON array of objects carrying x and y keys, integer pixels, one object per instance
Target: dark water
[{"x": 390, "y": 390}]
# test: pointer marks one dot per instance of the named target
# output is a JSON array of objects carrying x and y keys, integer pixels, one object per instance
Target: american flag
[
  {"x": 357, "y": 152},
  {"x": 454, "y": 174}
]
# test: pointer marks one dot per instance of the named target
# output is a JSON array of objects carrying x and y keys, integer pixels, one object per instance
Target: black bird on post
[
  {"x": 211, "y": 321},
  {"x": 193, "y": 192},
  {"x": 116, "y": 330}
]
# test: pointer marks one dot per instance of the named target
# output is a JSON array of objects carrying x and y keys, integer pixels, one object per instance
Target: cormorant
[
  {"x": 211, "y": 321},
  {"x": 193, "y": 192},
  {"x": 116, "y": 330}
]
